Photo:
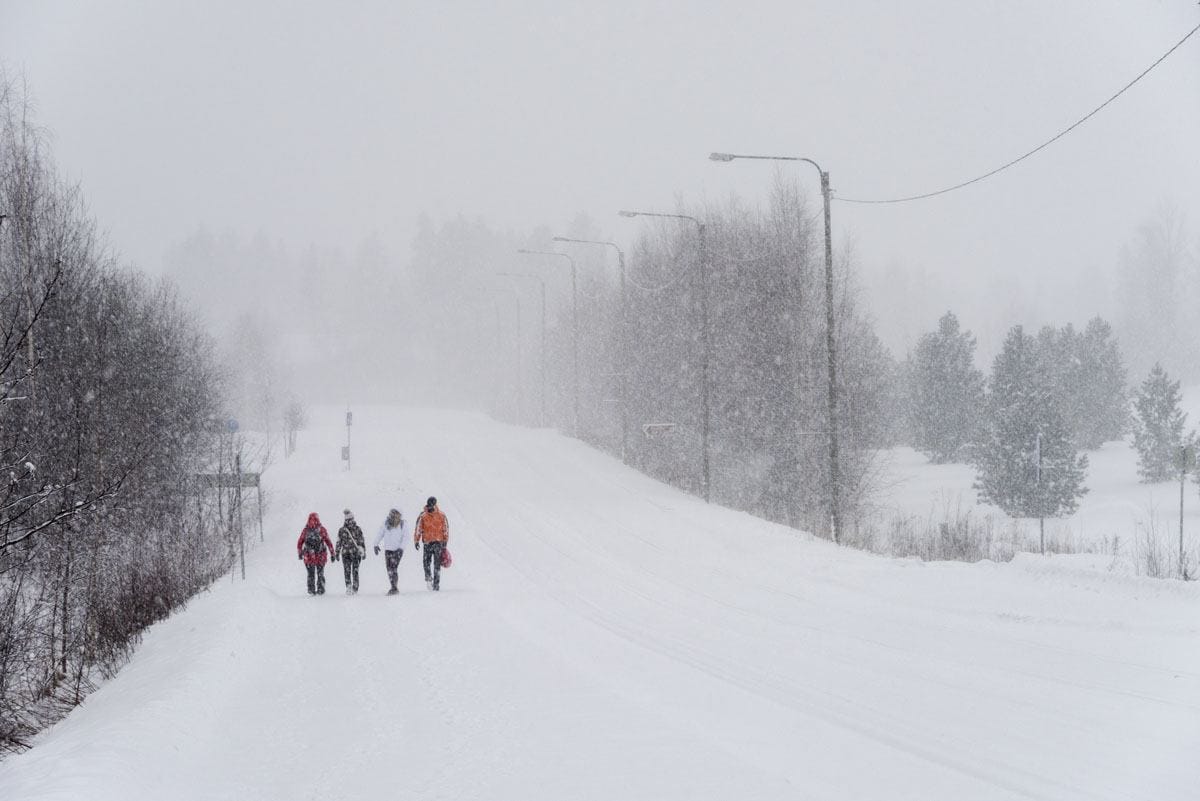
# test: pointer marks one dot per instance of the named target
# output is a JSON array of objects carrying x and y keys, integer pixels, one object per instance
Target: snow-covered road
[{"x": 602, "y": 636}]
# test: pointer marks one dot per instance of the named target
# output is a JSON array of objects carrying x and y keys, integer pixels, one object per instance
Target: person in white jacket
[{"x": 392, "y": 534}]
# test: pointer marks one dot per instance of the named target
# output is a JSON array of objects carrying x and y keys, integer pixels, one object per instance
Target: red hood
[{"x": 313, "y": 521}]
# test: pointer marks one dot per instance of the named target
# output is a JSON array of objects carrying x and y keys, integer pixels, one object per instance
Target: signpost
[
  {"x": 237, "y": 461},
  {"x": 652, "y": 430},
  {"x": 236, "y": 481},
  {"x": 1187, "y": 462}
]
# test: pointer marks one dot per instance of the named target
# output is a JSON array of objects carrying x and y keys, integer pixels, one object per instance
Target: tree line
[
  {"x": 1026, "y": 425},
  {"x": 1049, "y": 398},
  {"x": 110, "y": 405},
  {"x": 447, "y": 328}
]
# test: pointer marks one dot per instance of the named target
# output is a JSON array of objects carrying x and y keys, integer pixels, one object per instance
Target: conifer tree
[
  {"x": 1086, "y": 374},
  {"x": 1158, "y": 426},
  {"x": 1026, "y": 460},
  {"x": 1100, "y": 402},
  {"x": 945, "y": 392}
]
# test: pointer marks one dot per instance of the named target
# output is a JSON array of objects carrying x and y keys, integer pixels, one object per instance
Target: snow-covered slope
[{"x": 602, "y": 636}]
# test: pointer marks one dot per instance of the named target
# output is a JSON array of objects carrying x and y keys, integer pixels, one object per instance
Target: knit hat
[{"x": 348, "y": 514}]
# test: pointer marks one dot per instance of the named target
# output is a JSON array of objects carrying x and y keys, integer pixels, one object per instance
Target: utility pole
[
  {"x": 543, "y": 351},
  {"x": 520, "y": 389},
  {"x": 835, "y": 469},
  {"x": 1041, "y": 503},
  {"x": 622, "y": 340},
  {"x": 705, "y": 359},
  {"x": 575, "y": 325}
]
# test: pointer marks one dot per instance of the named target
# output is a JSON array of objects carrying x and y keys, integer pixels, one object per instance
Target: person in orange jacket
[
  {"x": 433, "y": 530},
  {"x": 311, "y": 548}
]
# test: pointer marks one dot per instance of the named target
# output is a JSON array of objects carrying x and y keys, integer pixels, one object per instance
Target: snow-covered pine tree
[
  {"x": 1057, "y": 368},
  {"x": 1100, "y": 400},
  {"x": 1022, "y": 422},
  {"x": 1086, "y": 373},
  {"x": 945, "y": 392},
  {"x": 1157, "y": 426}
]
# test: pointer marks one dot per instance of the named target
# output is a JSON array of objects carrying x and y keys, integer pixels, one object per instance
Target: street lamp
[
  {"x": 575, "y": 320},
  {"x": 543, "y": 359},
  {"x": 624, "y": 383},
  {"x": 704, "y": 337},
  {"x": 835, "y": 512}
]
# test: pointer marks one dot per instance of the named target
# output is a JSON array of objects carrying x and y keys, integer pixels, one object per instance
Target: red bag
[{"x": 446, "y": 560}]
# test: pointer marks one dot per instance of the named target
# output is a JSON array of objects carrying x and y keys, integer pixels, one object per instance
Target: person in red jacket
[{"x": 312, "y": 546}]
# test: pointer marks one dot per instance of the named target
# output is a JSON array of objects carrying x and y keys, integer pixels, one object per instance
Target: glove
[
  {"x": 335, "y": 557},
  {"x": 377, "y": 550},
  {"x": 417, "y": 545},
  {"x": 300, "y": 556}
]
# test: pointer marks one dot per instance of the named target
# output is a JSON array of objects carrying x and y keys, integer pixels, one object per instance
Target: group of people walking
[{"x": 431, "y": 529}]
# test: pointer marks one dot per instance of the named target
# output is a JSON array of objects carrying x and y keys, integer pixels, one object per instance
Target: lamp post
[
  {"x": 575, "y": 322},
  {"x": 622, "y": 340},
  {"x": 543, "y": 354},
  {"x": 835, "y": 479},
  {"x": 517, "y": 382},
  {"x": 705, "y": 338}
]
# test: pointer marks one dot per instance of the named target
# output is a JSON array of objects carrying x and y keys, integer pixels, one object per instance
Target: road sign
[{"x": 215, "y": 480}]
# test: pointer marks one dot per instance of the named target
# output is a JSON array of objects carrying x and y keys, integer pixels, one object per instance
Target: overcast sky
[{"x": 325, "y": 122}]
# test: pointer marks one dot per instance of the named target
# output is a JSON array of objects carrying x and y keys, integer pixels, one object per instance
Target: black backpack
[{"x": 313, "y": 542}]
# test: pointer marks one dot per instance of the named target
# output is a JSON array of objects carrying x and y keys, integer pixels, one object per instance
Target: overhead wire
[{"x": 1040, "y": 147}]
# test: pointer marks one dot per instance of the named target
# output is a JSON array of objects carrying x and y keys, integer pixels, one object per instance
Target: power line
[{"x": 1040, "y": 147}]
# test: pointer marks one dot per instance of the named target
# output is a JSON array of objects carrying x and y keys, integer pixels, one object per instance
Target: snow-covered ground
[
  {"x": 602, "y": 636},
  {"x": 1117, "y": 506}
]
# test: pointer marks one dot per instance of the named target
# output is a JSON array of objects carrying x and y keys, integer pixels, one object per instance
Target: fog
[
  {"x": 223, "y": 225},
  {"x": 305, "y": 125}
]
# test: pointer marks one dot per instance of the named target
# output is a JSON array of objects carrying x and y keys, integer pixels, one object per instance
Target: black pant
[
  {"x": 391, "y": 559},
  {"x": 433, "y": 554},
  {"x": 350, "y": 569},
  {"x": 316, "y": 579}
]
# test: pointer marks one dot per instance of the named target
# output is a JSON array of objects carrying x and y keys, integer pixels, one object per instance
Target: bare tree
[{"x": 107, "y": 397}]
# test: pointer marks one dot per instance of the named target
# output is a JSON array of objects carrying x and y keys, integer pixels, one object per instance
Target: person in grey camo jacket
[{"x": 351, "y": 549}]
